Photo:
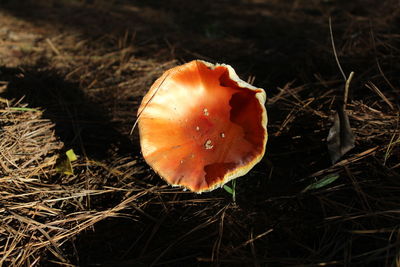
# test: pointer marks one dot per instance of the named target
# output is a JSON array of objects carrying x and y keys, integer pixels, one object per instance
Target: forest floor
[{"x": 73, "y": 73}]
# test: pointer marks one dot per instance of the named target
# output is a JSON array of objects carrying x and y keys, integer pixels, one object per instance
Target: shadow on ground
[
  {"x": 258, "y": 39},
  {"x": 80, "y": 123}
]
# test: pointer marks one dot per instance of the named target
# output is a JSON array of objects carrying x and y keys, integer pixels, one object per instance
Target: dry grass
[
  {"x": 39, "y": 211},
  {"x": 72, "y": 76}
]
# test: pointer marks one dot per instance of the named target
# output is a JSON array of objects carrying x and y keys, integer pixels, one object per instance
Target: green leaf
[
  {"x": 323, "y": 182},
  {"x": 71, "y": 155},
  {"x": 228, "y": 189},
  {"x": 64, "y": 163},
  {"x": 231, "y": 190},
  {"x": 64, "y": 166}
]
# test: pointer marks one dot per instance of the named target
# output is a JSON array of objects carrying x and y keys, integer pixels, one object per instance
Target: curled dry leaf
[{"x": 340, "y": 138}]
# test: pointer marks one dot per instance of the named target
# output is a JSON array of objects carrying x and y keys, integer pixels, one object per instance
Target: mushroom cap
[{"x": 201, "y": 126}]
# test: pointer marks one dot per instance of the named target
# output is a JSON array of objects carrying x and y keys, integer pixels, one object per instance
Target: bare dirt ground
[{"x": 72, "y": 74}]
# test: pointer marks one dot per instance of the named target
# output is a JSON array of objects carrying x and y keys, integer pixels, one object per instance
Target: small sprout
[
  {"x": 231, "y": 190},
  {"x": 228, "y": 189}
]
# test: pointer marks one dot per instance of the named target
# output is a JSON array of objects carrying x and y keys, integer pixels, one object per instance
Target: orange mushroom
[{"x": 201, "y": 126}]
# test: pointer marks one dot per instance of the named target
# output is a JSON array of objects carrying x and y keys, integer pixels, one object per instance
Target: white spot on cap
[
  {"x": 222, "y": 135},
  {"x": 197, "y": 128},
  {"x": 181, "y": 161},
  {"x": 206, "y": 112},
  {"x": 208, "y": 144}
]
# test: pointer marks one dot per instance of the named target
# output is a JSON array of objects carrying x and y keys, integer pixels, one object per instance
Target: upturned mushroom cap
[{"x": 201, "y": 126}]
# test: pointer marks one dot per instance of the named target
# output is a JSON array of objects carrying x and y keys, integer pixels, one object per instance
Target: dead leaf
[{"x": 340, "y": 138}]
